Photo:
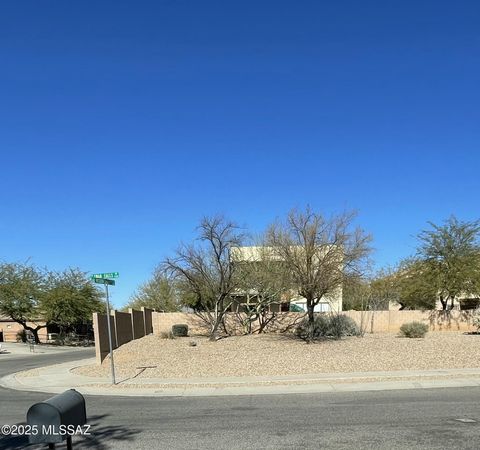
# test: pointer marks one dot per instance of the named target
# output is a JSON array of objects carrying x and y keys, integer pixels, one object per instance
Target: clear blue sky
[{"x": 122, "y": 123}]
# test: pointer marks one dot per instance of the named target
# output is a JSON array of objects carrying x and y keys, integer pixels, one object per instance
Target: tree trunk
[
  {"x": 444, "y": 303},
  {"x": 311, "y": 321},
  {"x": 35, "y": 336},
  {"x": 452, "y": 304},
  {"x": 311, "y": 315},
  {"x": 264, "y": 320},
  {"x": 29, "y": 328},
  {"x": 214, "y": 333},
  {"x": 34, "y": 332},
  {"x": 224, "y": 324},
  {"x": 372, "y": 320}
]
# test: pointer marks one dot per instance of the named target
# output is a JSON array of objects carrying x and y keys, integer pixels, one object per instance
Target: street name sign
[
  {"x": 104, "y": 281},
  {"x": 106, "y": 275}
]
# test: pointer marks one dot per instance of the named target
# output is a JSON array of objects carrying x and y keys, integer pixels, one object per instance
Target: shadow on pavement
[{"x": 101, "y": 437}]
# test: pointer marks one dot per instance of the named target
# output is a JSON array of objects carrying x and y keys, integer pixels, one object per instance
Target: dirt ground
[{"x": 275, "y": 354}]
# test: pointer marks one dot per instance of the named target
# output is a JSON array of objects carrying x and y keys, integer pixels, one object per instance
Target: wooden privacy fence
[{"x": 124, "y": 326}]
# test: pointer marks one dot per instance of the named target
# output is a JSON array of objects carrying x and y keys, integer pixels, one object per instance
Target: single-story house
[{"x": 9, "y": 329}]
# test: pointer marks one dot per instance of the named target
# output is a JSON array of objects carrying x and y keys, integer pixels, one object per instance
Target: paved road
[{"x": 425, "y": 419}]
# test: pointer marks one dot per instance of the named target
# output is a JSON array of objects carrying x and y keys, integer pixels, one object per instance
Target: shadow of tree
[
  {"x": 275, "y": 322},
  {"x": 287, "y": 322},
  {"x": 101, "y": 437},
  {"x": 14, "y": 442},
  {"x": 448, "y": 320}
]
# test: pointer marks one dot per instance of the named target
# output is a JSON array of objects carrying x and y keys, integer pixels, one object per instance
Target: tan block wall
[
  {"x": 383, "y": 321},
  {"x": 456, "y": 321},
  {"x": 123, "y": 327},
  {"x": 162, "y": 323},
  {"x": 391, "y": 321}
]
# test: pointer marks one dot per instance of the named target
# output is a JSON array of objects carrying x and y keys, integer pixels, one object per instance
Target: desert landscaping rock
[{"x": 278, "y": 355}]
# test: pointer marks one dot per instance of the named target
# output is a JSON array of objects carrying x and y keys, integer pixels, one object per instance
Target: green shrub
[
  {"x": 327, "y": 326},
  {"x": 180, "y": 330},
  {"x": 414, "y": 330},
  {"x": 341, "y": 325}
]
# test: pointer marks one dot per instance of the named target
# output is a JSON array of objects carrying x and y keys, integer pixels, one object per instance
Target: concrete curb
[{"x": 57, "y": 378}]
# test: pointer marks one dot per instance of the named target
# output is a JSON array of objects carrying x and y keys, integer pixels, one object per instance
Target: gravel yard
[{"x": 274, "y": 354}]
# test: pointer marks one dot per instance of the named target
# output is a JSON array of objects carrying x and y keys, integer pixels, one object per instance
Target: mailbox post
[{"x": 52, "y": 417}]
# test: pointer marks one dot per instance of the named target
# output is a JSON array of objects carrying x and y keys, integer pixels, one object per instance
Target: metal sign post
[
  {"x": 112, "y": 364},
  {"x": 103, "y": 278}
]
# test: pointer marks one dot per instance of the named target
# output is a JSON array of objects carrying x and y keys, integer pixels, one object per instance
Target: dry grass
[{"x": 273, "y": 354}]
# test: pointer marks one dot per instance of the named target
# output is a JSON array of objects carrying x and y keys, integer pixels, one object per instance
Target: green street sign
[
  {"x": 104, "y": 281},
  {"x": 106, "y": 275}
]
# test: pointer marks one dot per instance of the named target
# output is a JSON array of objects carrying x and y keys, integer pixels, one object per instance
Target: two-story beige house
[{"x": 288, "y": 301}]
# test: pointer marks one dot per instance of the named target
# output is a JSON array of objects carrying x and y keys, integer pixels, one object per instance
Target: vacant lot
[{"x": 272, "y": 354}]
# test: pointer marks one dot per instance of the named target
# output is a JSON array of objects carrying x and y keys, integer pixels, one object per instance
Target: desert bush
[
  {"x": 305, "y": 330},
  {"x": 167, "y": 335},
  {"x": 180, "y": 330},
  {"x": 21, "y": 336},
  {"x": 341, "y": 325},
  {"x": 327, "y": 326},
  {"x": 414, "y": 330}
]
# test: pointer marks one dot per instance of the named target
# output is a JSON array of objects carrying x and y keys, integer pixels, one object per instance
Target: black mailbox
[{"x": 57, "y": 418}]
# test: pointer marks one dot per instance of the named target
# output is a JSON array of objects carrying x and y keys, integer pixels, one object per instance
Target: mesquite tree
[
  {"x": 319, "y": 252},
  {"x": 450, "y": 259},
  {"x": 21, "y": 290},
  {"x": 159, "y": 293},
  {"x": 37, "y": 298},
  {"x": 205, "y": 272},
  {"x": 263, "y": 280}
]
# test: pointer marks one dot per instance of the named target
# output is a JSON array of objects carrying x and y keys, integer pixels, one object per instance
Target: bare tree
[
  {"x": 319, "y": 252},
  {"x": 205, "y": 271},
  {"x": 371, "y": 295}
]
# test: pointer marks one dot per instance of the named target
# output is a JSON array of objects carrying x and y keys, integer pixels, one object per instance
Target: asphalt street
[{"x": 404, "y": 419}]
